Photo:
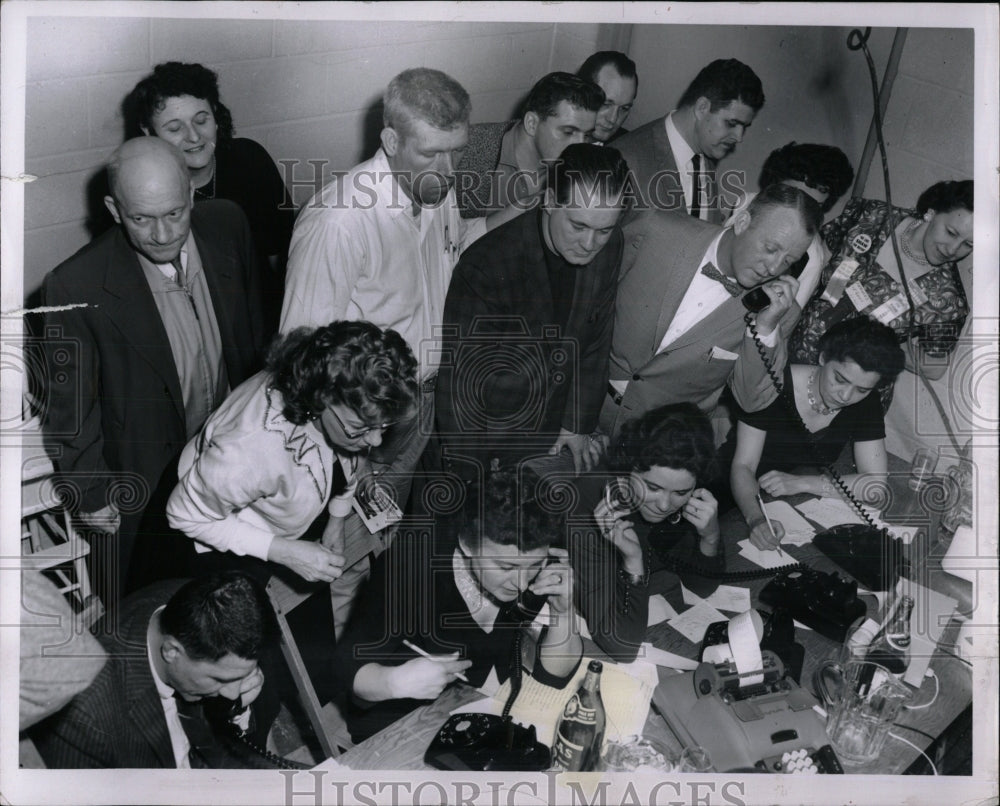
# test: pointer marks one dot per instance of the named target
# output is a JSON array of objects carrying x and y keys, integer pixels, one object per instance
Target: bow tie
[{"x": 734, "y": 288}]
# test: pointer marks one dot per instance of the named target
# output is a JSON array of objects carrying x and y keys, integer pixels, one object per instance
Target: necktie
[
  {"x": 734, "y": 288},
  {"x": 697, "y": 201},
  {"x": 179, "y": 268}
]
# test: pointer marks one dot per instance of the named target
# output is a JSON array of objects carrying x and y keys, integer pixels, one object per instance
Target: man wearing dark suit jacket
[
  {"x": 161, "y": 319},
  {"x": 177, "y": 647},
  {"x": 528, "y": 322},
  {"x": 673, "y": 159},
  {"x": 680, "y": 334}
]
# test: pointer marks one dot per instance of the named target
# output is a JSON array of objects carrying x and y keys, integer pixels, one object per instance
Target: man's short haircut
[
  {"x": 596, "y": 168},
  {"x": 823, "y": 168},
  {"x": 369, "y": 370},
  {"x": 868, "y": 343},
  {"x": 782, "y": 195},
  {"x": 678, "y": 436},
  {"x": 943, "y": 197},
  {"x": 722, "y": 82},
  {"x": 549, "y": 90},
  {"x": 505, "y": 508},
  {"x": 121, "y": 155},
  {"x": 171, "y": 80},
  {"x": 430, "y": 95},
  {"x": 623, "y": 65},
  {"x": 221, "y": 614}
]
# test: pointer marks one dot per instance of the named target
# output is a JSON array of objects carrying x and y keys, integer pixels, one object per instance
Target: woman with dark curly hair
[
  {"x": 820, "y": 409},
  {"x": 291, "y": 439},
  {"x": 863, "y": 279},
  {"x": 462, "y": 598},
  {"x": 651, "y": 515},
  {"x": 180, "y": 103}
]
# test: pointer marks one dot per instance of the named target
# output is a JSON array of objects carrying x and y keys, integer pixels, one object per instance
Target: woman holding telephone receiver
[{"x": 453, "y": 606}]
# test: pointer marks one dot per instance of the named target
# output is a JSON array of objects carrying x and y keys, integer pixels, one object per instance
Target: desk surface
[{"x": 401, "y": 746}]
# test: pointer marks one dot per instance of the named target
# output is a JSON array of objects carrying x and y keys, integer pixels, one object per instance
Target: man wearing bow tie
[{"x": 680, "y": 333}]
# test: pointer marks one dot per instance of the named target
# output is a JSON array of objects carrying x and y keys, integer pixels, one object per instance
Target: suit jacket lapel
[
  {"x": 715, "y": 206},
  {"x": 133, "y": 311},
  {"x": 661, "y": 148},
  {"x": 677, "y": 276},
  {"x": 536, "y": 270},
  {"x": 220, "y": 269},
  {"x": 144, "y": 707}
]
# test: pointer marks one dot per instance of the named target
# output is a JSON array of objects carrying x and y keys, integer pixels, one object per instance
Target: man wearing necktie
[
  {"x": 679, "y": 333},
  {"x": 180, "y": 648},
  {"x": 673, "y": 159},
  {"x": 162, "y": 320}
]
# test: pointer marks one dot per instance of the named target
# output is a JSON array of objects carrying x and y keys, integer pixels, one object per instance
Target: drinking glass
[
  {"x": 694, "y": 759},
  {"x": 922, "y": 466}
]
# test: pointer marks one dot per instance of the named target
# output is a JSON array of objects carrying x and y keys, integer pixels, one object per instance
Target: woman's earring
[{"x": 675, "y": 518}]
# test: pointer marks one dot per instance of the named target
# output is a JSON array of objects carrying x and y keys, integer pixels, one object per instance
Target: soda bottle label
[
  {"x": 578, "y": 712},
  {"x": 566, "y": 754}
]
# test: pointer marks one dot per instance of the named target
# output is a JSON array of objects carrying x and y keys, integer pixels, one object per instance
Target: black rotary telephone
[{"x": 757, "y": 300}]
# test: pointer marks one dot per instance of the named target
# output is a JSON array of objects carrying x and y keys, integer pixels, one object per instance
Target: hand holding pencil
[{"x": 765, "y": 533}]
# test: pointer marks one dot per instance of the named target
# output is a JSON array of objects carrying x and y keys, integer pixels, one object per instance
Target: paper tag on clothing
[
  {"x": 724, "y": 355},
  {"x": 858, "y": 296},
  {"x": 835, "y": 288},
  {"x": 375, "y": 506},
  {"x": 919, "y": 297},
  {"x": 890, "y": 309}
]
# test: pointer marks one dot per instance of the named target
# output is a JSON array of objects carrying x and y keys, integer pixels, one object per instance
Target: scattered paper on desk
[
  {"x": 768, "y": 558},
  {"x": 491, "y": 685},
  {"x": 659, "y": 610},
  {"x": 829, "y": 512},
  {"x": 725, "y": 597},
  {"x": 669, "y": 660},
  {"x": 626, "y": 690},
  {"x": 798, "y": 531},
  {"x": 693, "y": 622}
]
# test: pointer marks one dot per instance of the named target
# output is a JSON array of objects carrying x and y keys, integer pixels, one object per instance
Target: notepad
[
  {"x": 798, "y": 531},
  {"x": 626, "y": 691},
  {"x": 693, "y": 622},
  {"x": 669, "y": 660},
  {"x": 659, "y": 610},
  {"x": 764, "y": 559},
  {"x": 725, "y": 597}
]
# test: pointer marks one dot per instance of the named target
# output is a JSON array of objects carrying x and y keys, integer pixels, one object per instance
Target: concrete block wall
[{"x": 306, "y": 90}]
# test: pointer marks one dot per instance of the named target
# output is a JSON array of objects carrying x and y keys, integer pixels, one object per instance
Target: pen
[
  {"x": 770, "y": 525},
  {"x": 423, "y": 654}
]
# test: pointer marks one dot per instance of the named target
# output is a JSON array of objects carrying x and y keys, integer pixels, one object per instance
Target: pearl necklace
[
  {"x": 905, "y": 243},
  {"x": 817, "y": 407},
  {"x": 211, "y": 193}
]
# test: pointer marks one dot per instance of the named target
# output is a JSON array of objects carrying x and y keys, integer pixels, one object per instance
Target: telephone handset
[
  {"x": 219, "y": 712},
  {"x": 757, "y": 300}
]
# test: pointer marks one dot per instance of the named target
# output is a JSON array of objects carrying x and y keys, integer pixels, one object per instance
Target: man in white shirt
[
  {"x": 179, "y": 648},
  {"x": 680, "y": 333},
  {"x": 673, "y": 159},
  {"x": 379, "y": 243}
]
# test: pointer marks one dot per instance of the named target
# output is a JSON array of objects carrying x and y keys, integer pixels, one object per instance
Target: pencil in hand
[
  {"x": 770, "y": 525},
  {"x": 427, "y": 655}
]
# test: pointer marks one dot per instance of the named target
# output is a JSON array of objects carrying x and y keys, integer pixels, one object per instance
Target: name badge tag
[
  {"x": 891, "y": 308},
  {"x": 858, "y": 296}
]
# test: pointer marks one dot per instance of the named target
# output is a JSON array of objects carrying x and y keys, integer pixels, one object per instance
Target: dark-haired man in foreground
[{"x": 180, "y": 649}]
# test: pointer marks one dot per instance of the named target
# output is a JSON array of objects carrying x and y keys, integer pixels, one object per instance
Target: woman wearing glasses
[{"x": 287, "y": 443}]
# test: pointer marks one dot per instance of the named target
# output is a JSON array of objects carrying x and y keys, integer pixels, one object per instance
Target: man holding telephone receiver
[
  {"x": 186, "y": 659},
  {"x": 680, "y": 334}
]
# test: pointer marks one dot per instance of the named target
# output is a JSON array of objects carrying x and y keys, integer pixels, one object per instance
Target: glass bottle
[
  {"x": 892, "y": 644},
  {"x": 580, "y": 732}
]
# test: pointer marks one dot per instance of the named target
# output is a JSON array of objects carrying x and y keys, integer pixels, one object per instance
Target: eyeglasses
[{"x": 357, "y": 434}]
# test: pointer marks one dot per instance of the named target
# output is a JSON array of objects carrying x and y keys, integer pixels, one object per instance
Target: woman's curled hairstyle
[
  {"x": 868, "y": 343},
  {"x": 678, "y": 436},
  {"x": 943, "y": 197},
  {"x": 369, "y": 370},
  {"x": 172, "y": 80}
]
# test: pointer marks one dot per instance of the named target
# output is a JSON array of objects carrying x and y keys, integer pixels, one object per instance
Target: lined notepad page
[{"x": 626, "y": 690}]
